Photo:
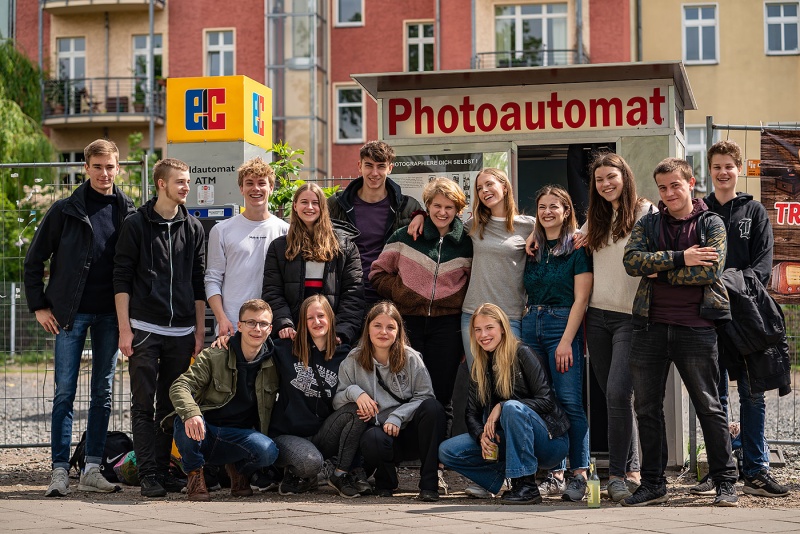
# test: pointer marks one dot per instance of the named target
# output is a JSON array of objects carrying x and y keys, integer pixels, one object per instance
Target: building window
[
  {"x": 142, "y": 71},
  {"x": 71, "y": 58},
  {"x": 531, "y": 35},
  {"x": 72, "y": 175},
  {"x": 349, "y": 115},
  {"x": 419, "y": 47},
  {"x": 349, "y": 12},
  {"x": 780, "y": 32},
  {"x": 219, "y": 53},
  {"x": 700, "y": 34},
  {"x": 7, "y": 18},
  {"x": 696, "y": 152},
  {"x": 303, "y": 23}
]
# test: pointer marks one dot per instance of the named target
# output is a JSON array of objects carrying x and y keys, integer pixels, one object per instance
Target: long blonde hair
[
  {"x": 318, "y": 244},
  {"x": 505, "y": 356},
  {"x": 301, "y": 345},
  {"x": 482, "y": 214}
]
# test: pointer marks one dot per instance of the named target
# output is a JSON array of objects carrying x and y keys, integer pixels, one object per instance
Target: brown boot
[
  {"x": 240, "y": 485},
  {"x": 196, "y": 486}
]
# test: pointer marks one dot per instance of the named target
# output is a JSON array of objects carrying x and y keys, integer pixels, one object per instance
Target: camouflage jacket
[{"x": 643, "y": 258}]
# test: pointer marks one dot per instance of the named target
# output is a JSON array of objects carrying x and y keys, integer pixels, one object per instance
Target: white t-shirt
[{"x": 237, "y": 248}]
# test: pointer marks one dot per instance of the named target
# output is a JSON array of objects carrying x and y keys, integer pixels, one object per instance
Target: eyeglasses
[{"x": 251, "y": 324}]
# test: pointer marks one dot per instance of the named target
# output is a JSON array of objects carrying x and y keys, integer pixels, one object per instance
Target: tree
[{"x": 287, "y": 165}]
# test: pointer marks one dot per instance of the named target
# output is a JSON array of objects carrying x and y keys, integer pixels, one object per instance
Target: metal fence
[{"x": 26, "y": 350}]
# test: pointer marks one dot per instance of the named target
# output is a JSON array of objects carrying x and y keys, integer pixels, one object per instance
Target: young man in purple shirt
[
  {"x": 375, "y": 205},
  {"x": 679, "y": 251}
]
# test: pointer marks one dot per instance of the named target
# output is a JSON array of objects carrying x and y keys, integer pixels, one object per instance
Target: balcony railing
[
  {"x": 68, "y": 7},
  {"x": 103, "y": 99},
  {"x": 528, "y": 58}
]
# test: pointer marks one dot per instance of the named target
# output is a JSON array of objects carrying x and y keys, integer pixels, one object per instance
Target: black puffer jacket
[
  {"x": 532, "y": 387},
  {"x": 65, "y": 238},
  {"x": 160, "y": 264},
  {"x": 284, "y": 287}
]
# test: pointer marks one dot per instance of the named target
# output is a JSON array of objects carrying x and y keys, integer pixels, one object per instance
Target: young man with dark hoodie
[
  {"x": 750, "y": 245},
  {"x": 679, "y": 253},
  {"x": 78, "y": 235},
  {"x": 160, "y": 301},
  {"x": 375, "y": 205}
]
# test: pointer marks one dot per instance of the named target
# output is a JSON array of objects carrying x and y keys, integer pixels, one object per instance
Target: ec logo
[
  {"x": 200, "y": 112},
  {"x": 258, "y": 107}
]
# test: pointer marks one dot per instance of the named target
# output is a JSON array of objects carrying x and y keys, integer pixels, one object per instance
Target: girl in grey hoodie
[{"x": 391, "y": 388}]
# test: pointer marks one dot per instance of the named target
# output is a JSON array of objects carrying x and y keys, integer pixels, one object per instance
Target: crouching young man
[
  {"x": 679, "y": 251},
  {"x": 224, "y": 402}
]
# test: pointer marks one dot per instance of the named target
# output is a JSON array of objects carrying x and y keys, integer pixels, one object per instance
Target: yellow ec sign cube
[{"x": 219, "y": 108}]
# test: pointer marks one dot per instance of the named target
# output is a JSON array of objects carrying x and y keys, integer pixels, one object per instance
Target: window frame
[
  {"x": 346, "y": 24},
  {"x": 518, "y": 19},
  {"x": 700, "y": 24},
  {"x": 782, "y": 21},
  {"x": 420, "y": 42},
  {"x": 220, "y": 48},
  {"x": 337, "y": 105},
  {"x": 703, "y": 177}
]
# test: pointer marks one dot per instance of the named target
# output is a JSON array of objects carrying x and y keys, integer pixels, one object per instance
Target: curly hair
[{"x": 256, "y": 167}]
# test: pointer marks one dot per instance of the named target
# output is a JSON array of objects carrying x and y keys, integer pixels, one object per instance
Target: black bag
[{"x": 118, "y": 444}]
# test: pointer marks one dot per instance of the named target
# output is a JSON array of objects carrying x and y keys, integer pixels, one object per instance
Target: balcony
[
  {"x": 74, "y": 7},
  {"x": 76, "y": 103},
  {"x": 527, "y": 58}
]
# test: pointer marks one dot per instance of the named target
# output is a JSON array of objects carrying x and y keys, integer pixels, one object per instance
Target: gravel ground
[{"x": 25, "y": 412}]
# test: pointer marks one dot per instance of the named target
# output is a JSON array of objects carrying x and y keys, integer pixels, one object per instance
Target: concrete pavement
[{"x": 33, "y": 514}]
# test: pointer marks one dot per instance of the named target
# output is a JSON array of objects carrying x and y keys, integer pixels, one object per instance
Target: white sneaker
[
  {"x": 59, "y": 483},
  {"x": 477, "y": 492},
  {"x": 93, "y": 480}
]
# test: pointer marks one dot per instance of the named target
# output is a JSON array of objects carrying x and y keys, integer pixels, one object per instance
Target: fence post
[{"x": 13, "y": 332}]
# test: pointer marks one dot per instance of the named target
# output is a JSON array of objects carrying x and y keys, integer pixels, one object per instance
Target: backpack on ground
[{"x": 118, "y": 444}]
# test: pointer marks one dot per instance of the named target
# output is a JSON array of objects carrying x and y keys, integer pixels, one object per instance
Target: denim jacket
[{"x": 643, "y": 257}]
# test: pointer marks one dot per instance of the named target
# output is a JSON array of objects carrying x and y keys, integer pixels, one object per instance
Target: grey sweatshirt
[{"x": 412, "y": 382}]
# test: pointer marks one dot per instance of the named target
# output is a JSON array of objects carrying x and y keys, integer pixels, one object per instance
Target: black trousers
[
  {"x": 419, "y": 439},
  {"x": 438, "y": 339}
]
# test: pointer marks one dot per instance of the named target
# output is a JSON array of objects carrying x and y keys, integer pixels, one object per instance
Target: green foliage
[
  {"x": 287, "y": 164},
  {"x": 137, "y": 153},
  {"x": 21, "y": 80}
]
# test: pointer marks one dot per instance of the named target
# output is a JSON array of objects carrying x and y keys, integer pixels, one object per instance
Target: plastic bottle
[{"x": 593, "y": 499}]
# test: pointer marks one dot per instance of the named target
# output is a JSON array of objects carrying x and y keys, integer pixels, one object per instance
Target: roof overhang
[{"x": 391, "y": 82}]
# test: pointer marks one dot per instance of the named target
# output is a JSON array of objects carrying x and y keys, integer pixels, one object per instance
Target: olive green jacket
[{"x": 210, "y": 383}]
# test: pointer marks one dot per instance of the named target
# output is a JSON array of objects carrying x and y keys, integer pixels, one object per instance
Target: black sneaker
[
  {"x": 726, "y": 495},
  {"x": 764, "y": 485},
  {"x": 266, "y": 479},
  {"x": 647, "y": 495},
  {"x": 704, "y": 487},
  {"x": 171, "y": 483},
  {"x": 151, "y": 487},
  {"x": 344, "y": 484},
  {"x": 294, "y": 485},
  {"x": 428, "y": 496},
  {"x": 361, "y": 481}
]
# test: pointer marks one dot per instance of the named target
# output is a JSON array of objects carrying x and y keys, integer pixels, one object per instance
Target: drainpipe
[
  {"x": 151, "y": 82},
  {"x": 579, "y": 29},
  {"x": 474, "y": 22},
  {"x": 638, "y": 30},
  {"x": 41, "y": 53},
  {"x": 438, "y": 35}
]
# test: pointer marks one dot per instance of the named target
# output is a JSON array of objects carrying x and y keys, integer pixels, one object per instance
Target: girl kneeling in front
[{"x": 509, "y": 385}]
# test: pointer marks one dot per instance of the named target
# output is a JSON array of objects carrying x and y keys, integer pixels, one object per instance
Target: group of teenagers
[{"x": 341, "y": 332}]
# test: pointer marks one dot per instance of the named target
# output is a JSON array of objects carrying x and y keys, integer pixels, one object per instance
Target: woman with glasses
[{"x": 312, "y": 259}]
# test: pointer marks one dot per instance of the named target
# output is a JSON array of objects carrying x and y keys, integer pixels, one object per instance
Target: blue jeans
[
  {"x": 465, "y": 317},
  {"x": 608, "y": 336},
  {"x": 249, "y": 450},
  {"x": 524, "y": 447},
  {"x": 753, "y": 414},
  {"x": 542, "y": 329},
  {"x": 68, "y": 348},
  {"x": 694, "y": 353}
]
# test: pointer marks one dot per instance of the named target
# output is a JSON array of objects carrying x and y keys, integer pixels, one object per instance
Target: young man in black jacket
[
  {"x": 750, "y": 244},
  {"x": 160, "y": 300},
  {"x": 78, "y": 235},
  {"x": 375, "y": 205}
]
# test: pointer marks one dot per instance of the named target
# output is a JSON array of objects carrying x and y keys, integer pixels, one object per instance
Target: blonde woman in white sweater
[{"x": 614, "y": 208}]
